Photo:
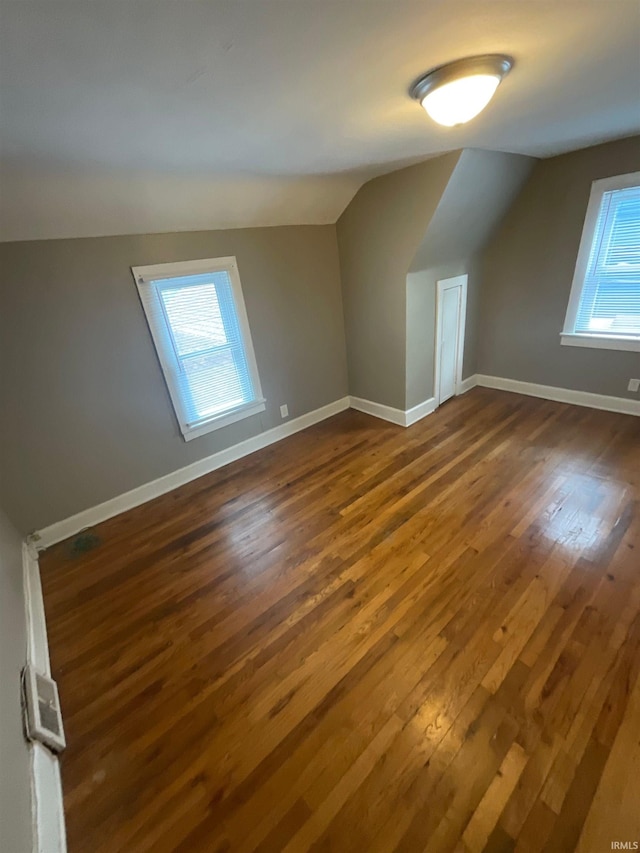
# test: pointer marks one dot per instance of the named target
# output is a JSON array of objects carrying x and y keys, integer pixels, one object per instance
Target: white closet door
[{"x": 449, "y": 334}]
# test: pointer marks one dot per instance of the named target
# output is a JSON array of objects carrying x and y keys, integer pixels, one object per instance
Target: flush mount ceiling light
[{"x": 455, "y": 93}]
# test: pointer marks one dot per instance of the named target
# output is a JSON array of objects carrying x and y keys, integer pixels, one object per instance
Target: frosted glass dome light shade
[
  {"x": 454, "y": 94},
  {"x": 461, "y": 100}
]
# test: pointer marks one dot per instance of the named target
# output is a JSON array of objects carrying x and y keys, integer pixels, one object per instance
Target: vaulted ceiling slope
[
  {"x": 423, "y": 217},
  {"x": 171, "y": 115},
  {"x": 481, "y": 189},
  {"x": 378, "y": 236}
]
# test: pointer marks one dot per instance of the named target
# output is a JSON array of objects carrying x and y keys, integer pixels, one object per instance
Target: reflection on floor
[{"x": 365, "y": 638}]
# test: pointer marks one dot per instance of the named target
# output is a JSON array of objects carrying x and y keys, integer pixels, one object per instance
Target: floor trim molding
[
  {"x": 61, "y": 530},
  {"x": 400, "y": 417},
  {"x": 378, "y": 410},
  {"x": 415, "y": 414},
  {"x": 37, "y": 642},
  {"x": 47, "y": 804},
  {"x": 620, "y": 405},
  {"x": 467, "y": 384}
]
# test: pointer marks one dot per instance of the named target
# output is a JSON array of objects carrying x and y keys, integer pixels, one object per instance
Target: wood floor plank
[
  {"x": 614, "y": 814},
  {"x": 364, "y": 638},
  {"x": 485, "y": 817}
]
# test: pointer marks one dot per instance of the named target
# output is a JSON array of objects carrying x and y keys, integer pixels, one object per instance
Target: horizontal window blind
[
  {"x": 202, "y": 345},
  {"x": 610, "y": 299}
]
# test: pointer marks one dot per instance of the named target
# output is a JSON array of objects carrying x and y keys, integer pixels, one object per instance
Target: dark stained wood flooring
[{"x": 365, "y": 638}]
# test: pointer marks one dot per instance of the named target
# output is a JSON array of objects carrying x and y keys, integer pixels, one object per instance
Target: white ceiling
[{"x": 159, "y": 94}]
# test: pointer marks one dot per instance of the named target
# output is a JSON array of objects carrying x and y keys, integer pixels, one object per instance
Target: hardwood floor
[{"x": 365, "y": 638}]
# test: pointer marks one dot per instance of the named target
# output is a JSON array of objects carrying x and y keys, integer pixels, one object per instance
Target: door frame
[{"x": 459, "y": 281}]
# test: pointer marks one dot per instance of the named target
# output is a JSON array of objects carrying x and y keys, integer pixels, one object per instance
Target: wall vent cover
[{"x": 42, "y": 704}]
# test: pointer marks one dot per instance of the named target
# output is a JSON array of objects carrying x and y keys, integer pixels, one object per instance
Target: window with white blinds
[
  {"x": 604, "y": 307},
  {"x": 198, "y": 321}
]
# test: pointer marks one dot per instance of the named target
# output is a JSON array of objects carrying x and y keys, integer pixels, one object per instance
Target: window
[
  {"x": 199, "y": 325},
  {"x": 604, "y": 306}
]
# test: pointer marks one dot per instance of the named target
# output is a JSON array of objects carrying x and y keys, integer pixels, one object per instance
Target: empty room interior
[{"x": 320, "y": 431}]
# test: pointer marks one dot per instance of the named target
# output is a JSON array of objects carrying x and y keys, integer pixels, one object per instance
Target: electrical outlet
[
  {"x": 284, "y": 411},
  {"x": 634, "y": 385}
]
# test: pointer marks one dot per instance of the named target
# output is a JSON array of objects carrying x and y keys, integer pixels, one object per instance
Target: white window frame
[
  {"x": 144, "y": 276},
  {"x": 569, "y": 336}
]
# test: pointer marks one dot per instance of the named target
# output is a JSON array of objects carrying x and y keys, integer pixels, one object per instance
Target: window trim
[
  {"x": 143, "y": 276},
  {"x": 568, "y": 336}
]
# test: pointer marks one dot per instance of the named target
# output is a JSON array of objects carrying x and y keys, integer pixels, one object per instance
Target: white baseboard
[
  {"x": 378, "y": 410},
  {"x": 88, "y": 518},
  {"x": 467, "y": 384},
  {"x": 400, "y": 417},
  {"x": 415, "y": 414},
  {"x": 49, "y": 834},
  {"x": 561, "y": 395},
  {"x": 48, "y": 810},
  {"x": 37, "y": 642}
]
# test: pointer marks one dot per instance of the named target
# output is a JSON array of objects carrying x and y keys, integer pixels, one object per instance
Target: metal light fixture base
[{"x": 495, "y": 64}]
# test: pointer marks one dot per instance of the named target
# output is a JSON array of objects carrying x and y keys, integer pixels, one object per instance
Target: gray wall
[
  {"x": 90, "y": 415},
  {"x": 15, "y": 791},
  {"x": 481, "y": 189},
  {"x": 527, "y": 273},
  {"x": 378, "y": 235}
]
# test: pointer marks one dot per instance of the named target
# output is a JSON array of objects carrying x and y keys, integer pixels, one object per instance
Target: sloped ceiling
[
  {"x": 378, "y": 235},
  {"x": 170, "y": 115},
  {"x": 39, "y": 204},
  {"x": 481, "y": 189},
  {"x": 418, "y": 218}
]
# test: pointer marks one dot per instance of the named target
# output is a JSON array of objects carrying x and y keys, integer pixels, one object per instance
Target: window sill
[
  {"x": 223, "y": 420},
  {"x": 600, "y": 342}
]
